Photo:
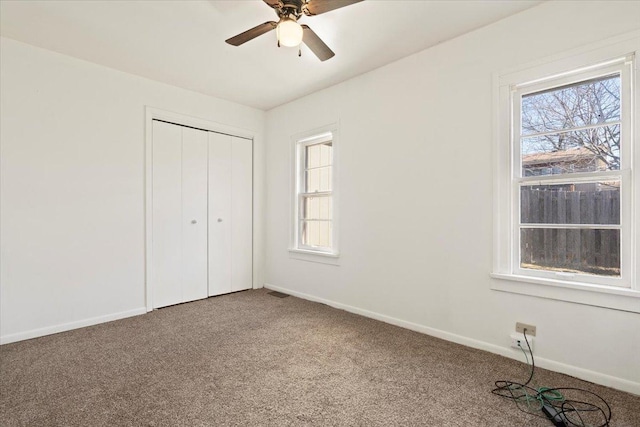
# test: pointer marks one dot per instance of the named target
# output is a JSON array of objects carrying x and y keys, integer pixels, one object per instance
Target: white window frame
[
  {"x": 297, "y": 249},
  {"x": 621, "y": 66},
  {"x": 617, "y": 55}
]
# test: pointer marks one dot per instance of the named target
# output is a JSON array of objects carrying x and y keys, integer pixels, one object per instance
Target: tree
[{"x": 583, "y": 115}]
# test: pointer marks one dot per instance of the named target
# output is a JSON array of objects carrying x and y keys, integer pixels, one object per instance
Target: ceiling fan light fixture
[{"x": 289, "y": 33}]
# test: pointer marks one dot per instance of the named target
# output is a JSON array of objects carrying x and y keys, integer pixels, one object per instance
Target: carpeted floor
[{"x": 250, "y": 359}]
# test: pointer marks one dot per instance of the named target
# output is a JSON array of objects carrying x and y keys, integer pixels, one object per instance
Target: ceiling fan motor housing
[{"x": 295, "y": 8}]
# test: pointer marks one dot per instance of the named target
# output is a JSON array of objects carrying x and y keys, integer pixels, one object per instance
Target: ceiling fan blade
[
  {"x": 254, "y": 32},
  {"x": 316, "y": 7},
  {"x": 276, "y": 4},
  {"x": 317, "y": 46}
]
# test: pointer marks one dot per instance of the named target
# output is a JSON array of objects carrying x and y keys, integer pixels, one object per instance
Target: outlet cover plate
[
  {"x": 518, "y": 341},
  {"x": 531, "y": 329}
]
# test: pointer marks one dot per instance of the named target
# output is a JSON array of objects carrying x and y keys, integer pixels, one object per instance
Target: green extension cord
[{"x": 543, "y": 393}]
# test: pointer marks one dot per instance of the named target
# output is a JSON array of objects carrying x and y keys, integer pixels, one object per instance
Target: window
[
  {"x": 569, "y": 168},
  {"x": 314, "y": 228},
  {"x": 564, "y": 180}
]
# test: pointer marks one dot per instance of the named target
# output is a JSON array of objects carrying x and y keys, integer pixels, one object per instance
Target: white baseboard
[
  {"x": 34, "y": 333},
  {"x": 584, "y": 374}
]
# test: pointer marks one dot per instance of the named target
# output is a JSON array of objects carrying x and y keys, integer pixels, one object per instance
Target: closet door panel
[
  {"x": 194, "y": 214},
  {"x": 220, "y": 219},
  {"x": 242, "y": 214},
  {"x": 166, "y": 215}
]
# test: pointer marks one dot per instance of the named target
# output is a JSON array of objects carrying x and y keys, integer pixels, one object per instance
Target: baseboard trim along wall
[
  {"x": 584, "y": 374},
  {"x": 40, "y": 332}
]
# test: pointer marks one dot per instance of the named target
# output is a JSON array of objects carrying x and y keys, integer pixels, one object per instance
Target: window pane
[
  {"x": 580, "y": 203},
  {"x": 325, "y": 179},
  {"x": 594, "y": 252},
  {"x": 312, "y": 180},
  {"x": 318, "y": 179},
  {"x": 312, "y": 154},
  {"x": 310, "y": 231},
  {"x": 587, "y": 150},
  {"x": 318, "y": 155},
  {"x": 316, "y": 233},
  {"x": 316, "y": 207},
  {"x": 586, "y": 103},
  {"x": 324, "y": 234},
  {"x": 326, "y": 154}
]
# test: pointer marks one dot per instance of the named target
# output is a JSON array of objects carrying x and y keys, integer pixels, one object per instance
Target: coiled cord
[{"x": 580, "y": 413}]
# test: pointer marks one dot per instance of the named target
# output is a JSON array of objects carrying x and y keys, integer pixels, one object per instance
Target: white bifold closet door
[
  {"x": 201, "y": 214},
  {"x": 179, "y": 252},
  {"x": 230, "y": 214},
  {"x": 194, "y": 214}
]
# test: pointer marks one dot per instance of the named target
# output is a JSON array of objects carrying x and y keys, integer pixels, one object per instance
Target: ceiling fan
[{"x": 288, "y": 31}]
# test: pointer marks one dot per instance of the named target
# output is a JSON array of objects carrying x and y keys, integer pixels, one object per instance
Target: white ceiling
[{"x": 182, "y": 42}]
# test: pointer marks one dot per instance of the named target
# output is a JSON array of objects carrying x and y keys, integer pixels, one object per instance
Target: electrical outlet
[
  {"x": 518, "y": 341},
  {"x": 531, "y": 329}
]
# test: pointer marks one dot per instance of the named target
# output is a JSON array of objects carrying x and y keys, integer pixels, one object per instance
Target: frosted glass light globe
[{"x": 289, "y": 33}]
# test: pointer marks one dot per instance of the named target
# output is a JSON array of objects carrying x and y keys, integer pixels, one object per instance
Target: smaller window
[{"x": 314, "y": 216}]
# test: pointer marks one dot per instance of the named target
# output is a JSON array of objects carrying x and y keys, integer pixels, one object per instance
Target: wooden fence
[{"x": 588, "y": 250}]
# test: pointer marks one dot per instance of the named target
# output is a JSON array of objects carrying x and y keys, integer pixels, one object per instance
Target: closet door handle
[
  {"x": 219, "y": 219},
  {"x": 193, "y": 221}
]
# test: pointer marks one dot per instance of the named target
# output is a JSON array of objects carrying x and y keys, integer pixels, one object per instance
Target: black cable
[
  {"x": 571, "y": 412},
  {"x": 533, "y": 362}
]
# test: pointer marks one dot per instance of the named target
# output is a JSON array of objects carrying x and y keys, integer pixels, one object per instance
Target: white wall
[
  {"x": 72, "y": 187},
  {"x": 415, "y": 165}
]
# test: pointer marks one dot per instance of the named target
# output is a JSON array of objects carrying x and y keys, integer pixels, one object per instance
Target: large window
[
  {"x": 565, "y": 184},
  {"x": 314, "y": 223},
  {"x": 570, "y": 166}
]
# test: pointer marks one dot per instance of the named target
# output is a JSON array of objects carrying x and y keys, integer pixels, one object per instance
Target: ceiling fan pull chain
[
  {"x": 278, "y": 43},
  {"x": 299, "y": 52}
]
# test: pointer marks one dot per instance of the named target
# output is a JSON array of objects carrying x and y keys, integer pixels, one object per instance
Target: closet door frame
[{"x": 152, "y": 114}]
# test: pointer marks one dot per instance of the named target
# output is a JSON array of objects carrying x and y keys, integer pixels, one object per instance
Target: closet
[{"x": 201, "y": 214}]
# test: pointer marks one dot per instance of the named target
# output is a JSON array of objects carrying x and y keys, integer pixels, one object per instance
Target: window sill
[
  {"x": 622, "y": 299},
  {"x": 313, "y": 256}
]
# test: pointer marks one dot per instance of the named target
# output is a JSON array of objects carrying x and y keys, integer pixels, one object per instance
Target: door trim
[{"x": 151, "y": 114}]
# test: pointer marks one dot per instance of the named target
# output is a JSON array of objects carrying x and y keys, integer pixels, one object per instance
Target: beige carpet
[{"x": 250, "y": 359}]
